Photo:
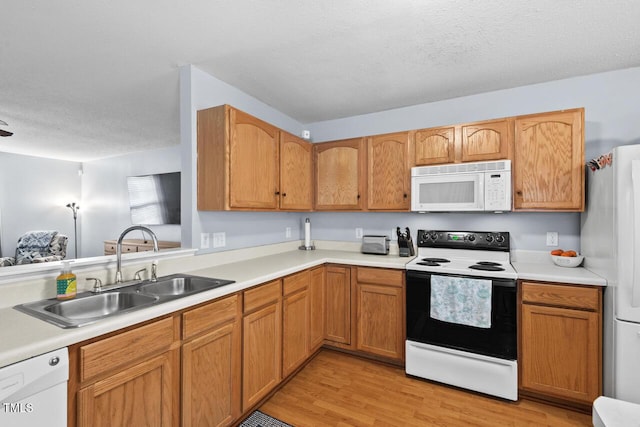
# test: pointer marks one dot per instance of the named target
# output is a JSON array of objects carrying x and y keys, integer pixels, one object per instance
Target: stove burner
[
  {"x": 435, "y": 260},
  {"x": 486, "y": 267},
  {"x": 428, "y": 263},
  {"x": 495, "y": 264}
]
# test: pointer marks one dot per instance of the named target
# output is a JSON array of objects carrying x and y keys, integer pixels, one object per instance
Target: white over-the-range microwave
[{"x": 477, "y": 186}]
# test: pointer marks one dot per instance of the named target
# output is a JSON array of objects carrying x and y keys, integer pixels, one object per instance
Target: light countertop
[
  {"x": 23, "y": 336},
  {"x": 537, "y": 265}
]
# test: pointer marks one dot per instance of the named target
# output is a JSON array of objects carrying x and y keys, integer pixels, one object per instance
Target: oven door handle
[{"x": 423, "y": 275}]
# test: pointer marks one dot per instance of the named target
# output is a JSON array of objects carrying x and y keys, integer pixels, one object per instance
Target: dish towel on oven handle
[{"x": 461, "y": 300}]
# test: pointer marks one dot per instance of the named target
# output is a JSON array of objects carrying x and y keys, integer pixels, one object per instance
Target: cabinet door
[
  {"x": 295, "y": 330},
  {"x": 261, "y": 353},
  {"x": 338, "y": 300},
  {"x": 486, "y": 140},
  {"x": 296, "y": 191},
  {"x": 435, "y": 146},
  {"x": 211, "y": 378},
  {"x": 560, "y": 353},
  {"x": 340, "y": 175},
  {"x": 253, "y": 163},
  {"x": 316, "y": 308},
  {"x": 548, "y": 167},
  {"x": 142, "y": 395},
  {"x": 388, "y": 172},
  {"x": 380, "y": 320}
]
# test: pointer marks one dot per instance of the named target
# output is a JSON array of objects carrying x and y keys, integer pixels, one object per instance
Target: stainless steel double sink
[{"x": 89, "y": 307}]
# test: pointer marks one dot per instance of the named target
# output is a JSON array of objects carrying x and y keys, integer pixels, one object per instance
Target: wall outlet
[
  {"x": 287, "y": 232},
  {"x": 359, "y": 233},
  {"x": 552, "y": 238},
  {"x": 219, "y": 240},
  {"x": 204, "y": 240}
]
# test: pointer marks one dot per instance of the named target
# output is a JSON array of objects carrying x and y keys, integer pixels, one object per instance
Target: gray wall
[
  {"x": 611, "y": 114},
  {"x": 105, "y": 198},
  {"x": 34, "y": 192},
  {"x": 33, "y": 195}
]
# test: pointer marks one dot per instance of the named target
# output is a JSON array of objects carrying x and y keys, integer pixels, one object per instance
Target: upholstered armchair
[{"x": 38, "y": 246}]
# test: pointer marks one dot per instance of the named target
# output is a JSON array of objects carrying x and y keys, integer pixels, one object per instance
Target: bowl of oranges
[{"x": 566, "y": 258}]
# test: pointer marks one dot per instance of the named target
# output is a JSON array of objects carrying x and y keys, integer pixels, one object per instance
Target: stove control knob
[
  {"x": 471, "y": 237},
  {"x": 433, "y": 236},
  {"x": 500, "y": 238},
  {"x": 489, "y": 238}
]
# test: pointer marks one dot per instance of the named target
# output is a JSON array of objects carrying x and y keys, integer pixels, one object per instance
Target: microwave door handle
[
  {"x": 635, "y": 187},
  {"x": 480, "y": 196}
]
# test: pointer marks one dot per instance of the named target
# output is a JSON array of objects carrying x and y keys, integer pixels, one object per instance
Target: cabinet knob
[
  {"x": 358, "y": 197},
  {"x": 405, "y": 195},
  {"x": 519, "y": 193},
  {"x": 277, "y": 192},
  {"x": 284, "y": 194}
]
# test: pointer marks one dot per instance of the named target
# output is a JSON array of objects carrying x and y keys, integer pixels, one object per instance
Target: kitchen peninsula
[{"x": 250, "y": 268}]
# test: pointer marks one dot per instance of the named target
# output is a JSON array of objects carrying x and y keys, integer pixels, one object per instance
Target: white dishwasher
[{"x": 34, "y": 392}]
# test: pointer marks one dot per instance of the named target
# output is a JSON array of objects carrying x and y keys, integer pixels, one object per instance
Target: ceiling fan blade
[{"x": 5, "y": 133}]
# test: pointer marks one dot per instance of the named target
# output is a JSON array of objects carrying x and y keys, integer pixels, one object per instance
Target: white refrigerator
[{"x": 610, "y": 241}]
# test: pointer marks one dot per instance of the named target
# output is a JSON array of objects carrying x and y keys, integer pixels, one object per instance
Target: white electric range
[{"x": 461, "y": 310}]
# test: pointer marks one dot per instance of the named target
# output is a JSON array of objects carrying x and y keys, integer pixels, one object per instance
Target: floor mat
[{"x": 260, "y": 419}]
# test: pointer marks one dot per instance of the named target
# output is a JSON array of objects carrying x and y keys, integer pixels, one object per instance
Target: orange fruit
[
  {"x": 569, "y": 253},
  {"x": 557, "y": 252}
]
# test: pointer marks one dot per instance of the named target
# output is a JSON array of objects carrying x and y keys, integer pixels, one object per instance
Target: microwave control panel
[{"x": 497, "y": 191}]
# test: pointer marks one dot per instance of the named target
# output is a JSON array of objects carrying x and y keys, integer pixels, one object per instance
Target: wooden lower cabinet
[
  {"x": 262, "y": 342},
  {"x": 211, "y": 357},
  {"x": 130, "y": 378},
  {"x": 380, "y": 312},
  {"x": 141, "y": 395},
  {"x": 338, "y": 304},
  {"x": 316, "y": 307},
  {"x": 211, "y": 364},
  {"x": 561, "y": 342},
  {"x": 295, "y": 322}
]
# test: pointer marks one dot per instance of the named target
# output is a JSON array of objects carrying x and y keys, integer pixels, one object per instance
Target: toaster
[{"x": 377, "y": 245}]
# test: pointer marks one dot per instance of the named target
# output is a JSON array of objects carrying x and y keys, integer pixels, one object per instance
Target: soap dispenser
[{"x": 66, "y": 283}]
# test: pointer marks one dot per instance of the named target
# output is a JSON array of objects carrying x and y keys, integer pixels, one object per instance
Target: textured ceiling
[{"x": 81, "y": 80}]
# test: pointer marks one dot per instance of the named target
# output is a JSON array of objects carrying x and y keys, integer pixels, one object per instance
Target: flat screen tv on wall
[{"x": 154, "y": 199}]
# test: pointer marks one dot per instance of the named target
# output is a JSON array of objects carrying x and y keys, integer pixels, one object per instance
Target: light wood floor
[{"x": 335, "y": 389}]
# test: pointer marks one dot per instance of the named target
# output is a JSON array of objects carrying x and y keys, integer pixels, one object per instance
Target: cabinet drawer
[
  {"x": 295, "y": 282},
  {"x": 109, "y": 248},
  {"x": 105, "y": 355},
  {"x": 380, "y": 276},
  {"x": 262, "y": 295},
  {"x": 209, "y": 316},
  {"x": 587, "y": 298}
]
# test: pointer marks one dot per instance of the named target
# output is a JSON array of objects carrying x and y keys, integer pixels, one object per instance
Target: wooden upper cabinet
[
  {"x": 253, "y": 163},
  {"x": 340, "y": 174},
  {"x": 238, "y": 158},
  {"x": 435, "y": 146},
  {"x": 486, "y": 140},
  {"x": 469, "y": 142},
  {"x": 389, "y": 172},
  {"x": 548, "y": 167},
  {"x": 296, "y": 190}
]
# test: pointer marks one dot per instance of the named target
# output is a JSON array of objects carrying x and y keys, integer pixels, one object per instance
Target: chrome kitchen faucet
[{"x": 154, "y": 277}]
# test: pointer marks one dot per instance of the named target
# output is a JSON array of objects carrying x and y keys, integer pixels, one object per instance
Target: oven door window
[{"x": 498, "y": 341}]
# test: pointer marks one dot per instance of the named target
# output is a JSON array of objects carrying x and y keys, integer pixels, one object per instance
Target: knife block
[{"x": 405, "y": 247}]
